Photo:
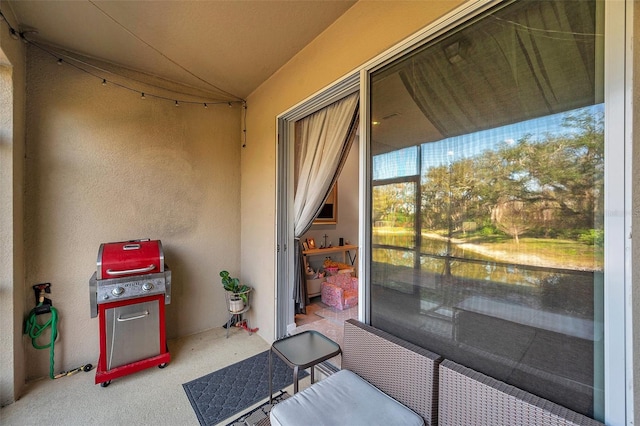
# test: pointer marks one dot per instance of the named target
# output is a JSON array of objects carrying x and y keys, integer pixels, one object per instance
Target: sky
[{"x": 403, "y": 162}]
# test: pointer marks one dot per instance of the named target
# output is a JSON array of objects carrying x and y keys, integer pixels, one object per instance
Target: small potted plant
[{"x": 237, "y": 294}]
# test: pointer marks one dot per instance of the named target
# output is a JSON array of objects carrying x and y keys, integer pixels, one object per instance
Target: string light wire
[
  {"x": 69, "y": 60},
  {"x": 73, "y": 62},
  {"x": 65, "y": 59},
  {"x": 162, "y": 54},
  {"x": 244, "y": 124}
]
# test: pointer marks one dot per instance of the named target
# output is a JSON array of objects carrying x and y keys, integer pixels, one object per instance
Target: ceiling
[
  {"x": 233, "y": 46},
  {"x": 236, "y": 45}
]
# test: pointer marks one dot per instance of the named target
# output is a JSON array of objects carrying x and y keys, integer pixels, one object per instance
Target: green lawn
[{"x": 559, "y": 253}]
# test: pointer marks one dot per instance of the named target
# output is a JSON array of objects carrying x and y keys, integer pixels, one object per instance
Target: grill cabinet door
[{"x": 132, "y": 333}]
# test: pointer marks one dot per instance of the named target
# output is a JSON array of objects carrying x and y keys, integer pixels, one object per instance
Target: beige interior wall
[
  {"x": 103, "y": 165},
  {"x": 12, "y": 118},
  {"x": 364, "y": 31}
]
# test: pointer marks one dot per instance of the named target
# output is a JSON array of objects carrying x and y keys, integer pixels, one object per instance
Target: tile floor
[{"x": 327, "y": 320}]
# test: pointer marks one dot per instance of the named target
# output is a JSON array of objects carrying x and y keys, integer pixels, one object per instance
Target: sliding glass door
[{"x": 487, "y": 157}]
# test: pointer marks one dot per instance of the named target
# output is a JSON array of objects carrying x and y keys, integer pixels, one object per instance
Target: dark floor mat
[{"x": 226, "y": 392}]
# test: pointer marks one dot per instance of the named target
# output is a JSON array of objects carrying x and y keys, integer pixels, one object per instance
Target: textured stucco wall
[
  {"x": 12, "y": 118},
  {"x": 364, "y": 31},
  {"x": 103, "y": 165}
]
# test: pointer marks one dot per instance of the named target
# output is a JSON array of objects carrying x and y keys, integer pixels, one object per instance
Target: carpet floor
[{"x": 226, "y": 392}]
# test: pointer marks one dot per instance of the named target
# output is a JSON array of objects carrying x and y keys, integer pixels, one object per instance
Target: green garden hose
[{"x": 34, "y": 330}]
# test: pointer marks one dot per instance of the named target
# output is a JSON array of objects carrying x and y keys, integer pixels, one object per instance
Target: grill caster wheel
[
  {"x": 163, "y": 365},
  {"x": 105, "y": 384},
  {"x": 87, "y": 367}
]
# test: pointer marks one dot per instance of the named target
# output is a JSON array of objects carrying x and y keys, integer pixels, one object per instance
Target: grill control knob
[
  {"x": 117, "y": 291},
  {"x": 147, "y": 286}
]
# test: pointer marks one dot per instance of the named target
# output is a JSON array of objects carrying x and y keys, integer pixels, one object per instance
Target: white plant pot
[{"x": 236, "y": 305}]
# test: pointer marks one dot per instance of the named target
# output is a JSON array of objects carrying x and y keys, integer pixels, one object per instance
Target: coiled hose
[{"x": 35, "y": 330}]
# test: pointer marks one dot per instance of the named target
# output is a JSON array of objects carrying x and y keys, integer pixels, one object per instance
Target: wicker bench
[
  {"x": 398, "y": 388},
  {"x": 402, "y": 370},
  {"x": 467, "y": 397},
  {"x": 439, "y": 391}
]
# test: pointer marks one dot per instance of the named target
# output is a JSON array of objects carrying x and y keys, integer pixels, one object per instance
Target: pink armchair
[{"x": 340, "y": 291}]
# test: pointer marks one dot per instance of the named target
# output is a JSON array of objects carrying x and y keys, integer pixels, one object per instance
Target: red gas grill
[{"x": 128, "y": 292}]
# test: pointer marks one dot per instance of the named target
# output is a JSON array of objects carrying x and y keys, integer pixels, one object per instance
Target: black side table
[{"x": 302, "y": 351}]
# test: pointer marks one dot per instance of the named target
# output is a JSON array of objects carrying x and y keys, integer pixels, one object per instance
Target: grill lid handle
[
  {"x": 132, "y": 271},
  {"x": 131, "y": 247}
]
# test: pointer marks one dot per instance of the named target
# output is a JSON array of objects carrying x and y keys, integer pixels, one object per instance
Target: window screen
[{"x": 487, "y": 198}]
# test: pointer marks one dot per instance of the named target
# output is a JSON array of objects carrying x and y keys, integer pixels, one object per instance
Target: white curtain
[{"x": 323, "y": 140}]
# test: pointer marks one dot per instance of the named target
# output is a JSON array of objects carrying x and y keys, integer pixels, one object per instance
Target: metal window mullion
[
  {"x": 418, "y": 219},
  {"x": 618, "y": 367},
  {"x": 364, "y": 200}
]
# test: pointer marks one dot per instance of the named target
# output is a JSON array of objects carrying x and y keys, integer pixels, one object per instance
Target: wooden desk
[{"x": 337, "y": 249}]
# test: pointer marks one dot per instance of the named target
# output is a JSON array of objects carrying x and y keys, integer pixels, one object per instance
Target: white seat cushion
[{"x": 343, "y": 398}]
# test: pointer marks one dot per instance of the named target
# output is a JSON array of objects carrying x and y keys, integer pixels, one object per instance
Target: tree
[
  {"x": 394, "y": 203},
  {"x": 513, "y": 217},
  {"x": 548, "y": 186}
]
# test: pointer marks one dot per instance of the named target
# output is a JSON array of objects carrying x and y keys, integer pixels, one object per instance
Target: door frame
[{"x": 285, "y": 262}]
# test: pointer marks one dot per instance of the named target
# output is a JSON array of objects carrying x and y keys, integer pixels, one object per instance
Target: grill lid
[{"x": 130, "y": 258}]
